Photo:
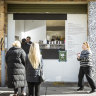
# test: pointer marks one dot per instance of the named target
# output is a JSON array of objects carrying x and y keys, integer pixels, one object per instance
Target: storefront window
[{"x": 55, "y": 35}]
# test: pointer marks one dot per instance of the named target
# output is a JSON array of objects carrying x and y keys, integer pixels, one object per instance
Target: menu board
[{"x": 76, "y": 34}]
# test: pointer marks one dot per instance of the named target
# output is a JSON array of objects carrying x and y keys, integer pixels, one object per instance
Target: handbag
[{"x": 41, "y": 79}]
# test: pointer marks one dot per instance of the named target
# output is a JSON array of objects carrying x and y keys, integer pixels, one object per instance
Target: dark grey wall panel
[
  {"x": 51, "y": 53},
  {"x": 23, "y": 16},
  {"x": 48, "y": 8}
]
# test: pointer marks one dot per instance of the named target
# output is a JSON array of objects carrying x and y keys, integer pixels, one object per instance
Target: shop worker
[
  {"x": 15, "y": 60},
  {"x": 34, "y": 70},
  {"x": 86, "y": 66},
  {"x": 23, "y": 43},
  {"x": 27, "y": 45}
]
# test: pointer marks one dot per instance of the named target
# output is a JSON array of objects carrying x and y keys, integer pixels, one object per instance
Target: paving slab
[
  {"x": 52, "y": 91},
  {"x": 68, "y": 91},
  {"x": 4, "y": 91}
]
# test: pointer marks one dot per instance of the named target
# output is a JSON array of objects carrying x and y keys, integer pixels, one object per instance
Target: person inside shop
[
  {"x": 34, "y": 70},
  {"x": 15, "y": 60},
  {"x": 27, "y": 44},
  {"x": 23, "y": 43},
  {"x": 86, "y": 66}
]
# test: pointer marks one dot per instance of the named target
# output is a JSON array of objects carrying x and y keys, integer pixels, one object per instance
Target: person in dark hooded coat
[{"x": 15, "y": 60}]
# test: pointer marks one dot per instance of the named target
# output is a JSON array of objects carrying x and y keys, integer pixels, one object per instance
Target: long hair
[
  {"x": 34, "y": 55},
  {"x": 86, "y": 44}
]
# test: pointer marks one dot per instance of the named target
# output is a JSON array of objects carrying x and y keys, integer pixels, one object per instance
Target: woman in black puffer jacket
[
  {"x": 34, "y": 70},
  {"x": 85, "y": 59},
  {"x": 15, "y": 60}
]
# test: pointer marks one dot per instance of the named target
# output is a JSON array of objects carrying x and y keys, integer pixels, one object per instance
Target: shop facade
[{"x": 72, "y": 22}]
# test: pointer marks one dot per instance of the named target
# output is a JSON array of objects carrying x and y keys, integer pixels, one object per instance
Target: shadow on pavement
[{"x": 5, "y": 94}]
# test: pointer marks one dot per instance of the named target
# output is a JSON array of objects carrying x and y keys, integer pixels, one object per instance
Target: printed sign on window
[{"x": 62, "y": 56}]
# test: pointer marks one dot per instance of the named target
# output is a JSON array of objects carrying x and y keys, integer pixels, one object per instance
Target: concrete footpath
[{"x": 53, "y": 91}]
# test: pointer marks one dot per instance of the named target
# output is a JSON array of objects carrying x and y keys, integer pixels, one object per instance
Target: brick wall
[{"x": 3, "y": 28}]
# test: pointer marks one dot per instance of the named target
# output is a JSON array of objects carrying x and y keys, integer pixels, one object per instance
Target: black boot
[
  {"x": 80, "y": 89},
  {"x": 92, "y": 91}
]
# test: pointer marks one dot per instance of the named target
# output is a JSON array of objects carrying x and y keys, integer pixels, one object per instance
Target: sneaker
[{"x": 80, "y": 89}]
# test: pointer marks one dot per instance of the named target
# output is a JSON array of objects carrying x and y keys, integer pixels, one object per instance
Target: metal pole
[
  {"x": 3, "y": 68},
  {"x": 2, "y": 64}
]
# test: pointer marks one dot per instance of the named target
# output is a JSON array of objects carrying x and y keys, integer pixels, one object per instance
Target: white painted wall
[
  {"x": 11, "y": 30},
  {"x": 68, "y": 71},
  {"x": 19, "y": 28},
  {"x": 36, "y": 29}
]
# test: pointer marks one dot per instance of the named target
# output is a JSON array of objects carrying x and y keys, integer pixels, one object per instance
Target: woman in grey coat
[
  {"x": 34, "y": 70},
  {"x": 85, "y": 59}
]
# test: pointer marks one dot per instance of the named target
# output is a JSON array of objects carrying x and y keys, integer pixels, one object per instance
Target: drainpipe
[{"x": 2, "y": 64}]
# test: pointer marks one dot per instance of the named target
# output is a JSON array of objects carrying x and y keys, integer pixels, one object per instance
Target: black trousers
[
  {"x": 23, "y": 90},
  {"x": 34, "y": 88},
  {"x": 87, "y": 71}
]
